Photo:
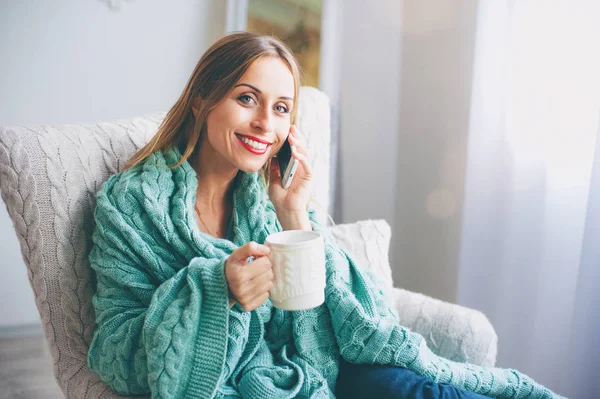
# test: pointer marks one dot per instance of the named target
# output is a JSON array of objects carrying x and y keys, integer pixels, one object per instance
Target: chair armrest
[{"x": 451, "y": 331}]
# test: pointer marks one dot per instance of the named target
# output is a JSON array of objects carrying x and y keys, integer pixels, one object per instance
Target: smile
[{"x": 255, "y": 146}]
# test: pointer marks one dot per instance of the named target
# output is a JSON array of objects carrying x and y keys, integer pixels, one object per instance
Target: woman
[{"x": 183, "y": 281}]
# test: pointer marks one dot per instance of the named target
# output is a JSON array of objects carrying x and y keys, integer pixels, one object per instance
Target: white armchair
[{"x": 49, "y": 176}]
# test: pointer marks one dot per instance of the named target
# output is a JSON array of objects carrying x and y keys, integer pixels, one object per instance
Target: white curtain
[{"x": 529, "y": 254}]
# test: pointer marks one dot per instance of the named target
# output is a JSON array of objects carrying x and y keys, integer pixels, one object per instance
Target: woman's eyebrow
[{"x": 258, "y": 91}]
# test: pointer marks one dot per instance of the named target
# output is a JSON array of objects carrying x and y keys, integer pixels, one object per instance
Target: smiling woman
[
  {"x": 182, "y": 304},
  {"x": 249, "y": 126},
  {"x": 217, "y": 79},
  {"x": 233, "y": 116}
]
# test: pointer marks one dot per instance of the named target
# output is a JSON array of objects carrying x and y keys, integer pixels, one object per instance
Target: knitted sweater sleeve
[
  {"x": 158, "y": 335},
  {"x": 368, "y": 332}
]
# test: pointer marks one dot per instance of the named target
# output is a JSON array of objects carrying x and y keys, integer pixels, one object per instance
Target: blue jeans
[{"x": 383, "y": 382}]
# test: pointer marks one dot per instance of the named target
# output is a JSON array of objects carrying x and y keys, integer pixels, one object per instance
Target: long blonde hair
[{"x": 215, "y": 75}]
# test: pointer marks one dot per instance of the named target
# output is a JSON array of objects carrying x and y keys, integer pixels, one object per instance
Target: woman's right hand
[{"x": 249, "y": 283}]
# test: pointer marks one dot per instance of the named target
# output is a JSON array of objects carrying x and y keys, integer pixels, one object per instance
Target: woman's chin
[{"x": 251, "y": 167}]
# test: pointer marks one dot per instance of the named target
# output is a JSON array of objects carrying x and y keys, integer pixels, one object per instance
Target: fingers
[
  {"x": 303, "y": 159},
  {"x": 257, "y": 286},
  {"x": 240, "y": 274},
  {"x": 250, "y": 249},
  {"x": 250, "y": 293},
  {"x": 297, "y": 136},
  {"x": 249, "y": 283},
  {"x": 297, "y": 145},
  {"x": 256, "y": 268},
  {"x": 299, "y": 152}
]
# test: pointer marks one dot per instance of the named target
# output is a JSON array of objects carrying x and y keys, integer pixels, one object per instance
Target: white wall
[
  {"x": 81, "y": 61},
  {"x": 405, "y": 95},
  {"x": 369, "y": 104}
]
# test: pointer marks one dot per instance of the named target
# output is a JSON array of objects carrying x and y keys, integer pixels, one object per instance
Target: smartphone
[{"x": 287, "y": 164}]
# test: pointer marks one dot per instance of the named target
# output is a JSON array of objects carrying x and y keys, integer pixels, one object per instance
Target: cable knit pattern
[
  {"x": 164, "y": 325},
  {"x": 451, "y": 331},
  {"x": 448, "y": 328},
  {"x": 49, "y": 177}
]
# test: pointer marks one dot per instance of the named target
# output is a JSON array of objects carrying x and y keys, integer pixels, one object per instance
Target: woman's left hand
[{"x": 291, "y": 204}]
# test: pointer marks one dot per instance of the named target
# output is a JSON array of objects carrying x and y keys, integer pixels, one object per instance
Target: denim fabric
[{"x": 382, "y": 382}]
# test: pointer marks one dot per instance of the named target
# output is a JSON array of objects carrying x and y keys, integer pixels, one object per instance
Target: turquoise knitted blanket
[{"x": 164, "y": 325}]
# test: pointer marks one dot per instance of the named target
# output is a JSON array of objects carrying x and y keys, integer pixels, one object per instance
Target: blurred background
[{"x": 470, "y": 126}]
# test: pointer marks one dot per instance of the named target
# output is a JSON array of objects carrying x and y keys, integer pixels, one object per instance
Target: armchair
[{"x": 49, "y": 176}]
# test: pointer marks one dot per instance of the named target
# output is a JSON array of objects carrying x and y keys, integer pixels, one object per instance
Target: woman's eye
[
  {"x": 281, "y": 108},
  {"x": 246, "y": 99}
]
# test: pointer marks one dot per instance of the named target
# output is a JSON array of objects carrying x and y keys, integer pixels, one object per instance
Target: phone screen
[
  {"x": 284, "y": 156},
  {"x": 287, "y": 164}
]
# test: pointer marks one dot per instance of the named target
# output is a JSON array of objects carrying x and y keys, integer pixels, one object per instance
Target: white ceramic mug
[{"x": 298, "y": 259}]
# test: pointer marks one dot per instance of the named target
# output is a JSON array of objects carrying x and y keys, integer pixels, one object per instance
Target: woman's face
[{"x": 252, "y": 122}]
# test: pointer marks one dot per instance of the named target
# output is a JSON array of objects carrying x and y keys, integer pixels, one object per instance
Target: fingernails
[{"x": 293, "y": 148}]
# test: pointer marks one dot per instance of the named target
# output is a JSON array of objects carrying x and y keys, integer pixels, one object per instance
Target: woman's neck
[{"x": 215, "y": 179}]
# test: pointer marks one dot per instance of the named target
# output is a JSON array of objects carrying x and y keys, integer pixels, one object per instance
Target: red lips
[
  {"x": 251, "y": 149},
  {"x": 255, "y": 139}
]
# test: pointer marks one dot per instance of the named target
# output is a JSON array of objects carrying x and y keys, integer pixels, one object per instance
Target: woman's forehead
[{"x": 271, "y": 76}]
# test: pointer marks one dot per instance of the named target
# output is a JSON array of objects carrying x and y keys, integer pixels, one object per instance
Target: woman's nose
[{"x": 263, "y": 120}]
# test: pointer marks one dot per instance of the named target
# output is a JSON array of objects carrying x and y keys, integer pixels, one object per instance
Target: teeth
[{"x": 254, "y": 144}]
